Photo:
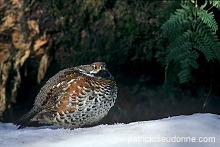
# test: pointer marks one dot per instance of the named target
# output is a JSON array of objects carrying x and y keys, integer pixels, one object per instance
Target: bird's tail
[{"x": 26, "y": 119}]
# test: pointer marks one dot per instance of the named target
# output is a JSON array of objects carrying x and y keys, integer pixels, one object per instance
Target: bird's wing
[{"x": 68, "y": 94}]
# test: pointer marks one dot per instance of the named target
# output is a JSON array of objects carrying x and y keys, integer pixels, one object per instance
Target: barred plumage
[{"x": 74, "y": 97}]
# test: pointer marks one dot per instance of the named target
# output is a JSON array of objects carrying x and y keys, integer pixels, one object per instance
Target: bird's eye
[{"x": 96, "y": 66}]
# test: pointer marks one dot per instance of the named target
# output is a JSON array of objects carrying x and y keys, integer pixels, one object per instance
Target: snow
[{"x": 196, "y": 130}]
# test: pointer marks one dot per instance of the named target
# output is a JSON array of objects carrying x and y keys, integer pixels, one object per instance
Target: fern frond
[
  {"x": 208, "y": 18},
  {"x": 215, "y": 3},
  {"x": 186, "y": 66},
  {"x": 179, "y": 18},
  {"x": 187, "y": 35},
  {"x": 184, "y": 75},
  {"x": 179, "y": 52},
  {"x": 192, "y": 32},
  {"x": 205, "y": 49},
  {"x": 207, "y": 42},
  {"x": 194, "y": 64}
]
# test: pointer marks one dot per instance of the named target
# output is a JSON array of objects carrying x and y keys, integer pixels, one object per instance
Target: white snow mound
[{"x": 196, "y": 130}]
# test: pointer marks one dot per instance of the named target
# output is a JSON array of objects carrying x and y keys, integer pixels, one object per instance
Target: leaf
[
  {"x": 19, "y": 42},
  {"x": 43, "y": 67},
  {"x": 38, "y": 43},
  {"x": 203, "y": 6},
  {"x": 215, "y": 3},
  {"x": 8, "y": 22},
  {"x": 208, "y": 18},
  {"x": 33, "y": 27},
  {"x": 4, "y": 51},
  {"x": 184, "y": 75}
]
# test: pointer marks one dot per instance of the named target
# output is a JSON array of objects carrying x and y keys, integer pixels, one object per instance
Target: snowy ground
[{"x": 196, "y": 130}]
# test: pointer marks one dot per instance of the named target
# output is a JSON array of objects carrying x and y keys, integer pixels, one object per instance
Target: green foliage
[
  {"x": 215, "y": 3},
  {"x": 192, "y": 33},
  {"x": 113, "y": 31}
]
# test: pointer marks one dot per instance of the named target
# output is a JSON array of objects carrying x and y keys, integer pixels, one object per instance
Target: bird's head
[{"x": 96, "y": 69}]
